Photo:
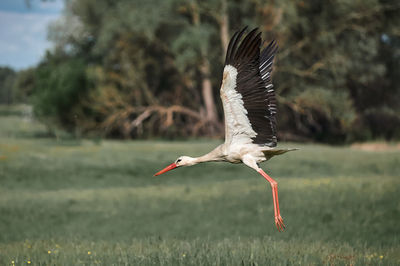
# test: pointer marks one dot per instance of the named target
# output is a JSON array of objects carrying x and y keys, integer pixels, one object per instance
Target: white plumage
[
  {"x": 249, "y": 105},
  {"x": 238, "y": 129}
]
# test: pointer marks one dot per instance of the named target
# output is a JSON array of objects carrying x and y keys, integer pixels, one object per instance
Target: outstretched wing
[{"x": 247, "y": 92}]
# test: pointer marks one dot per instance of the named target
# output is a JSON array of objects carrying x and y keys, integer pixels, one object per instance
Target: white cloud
[{"x": 23, "y": 38}]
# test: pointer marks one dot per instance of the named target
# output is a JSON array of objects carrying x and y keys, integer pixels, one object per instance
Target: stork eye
[{"x": 178, "y": 160}]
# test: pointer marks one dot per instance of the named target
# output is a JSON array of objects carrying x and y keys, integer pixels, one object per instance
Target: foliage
[
  {"x": 16, "y": 86},
  {"x": 335, "y": 47},
  {"x": 7, "y": 78},
  {"x": 336, "y": 73},
  {"x": 131, "y": 78},
  {"x": 24, "y": 85},
  {"x": 61, "y": 86},
  {"x": 72, "y": 197}
]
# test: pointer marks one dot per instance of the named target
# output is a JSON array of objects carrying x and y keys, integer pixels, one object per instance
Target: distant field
[{"x": 83, "y": 202}]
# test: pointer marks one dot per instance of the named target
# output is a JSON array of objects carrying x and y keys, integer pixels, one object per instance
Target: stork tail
[{"x": 275, "y": 151}]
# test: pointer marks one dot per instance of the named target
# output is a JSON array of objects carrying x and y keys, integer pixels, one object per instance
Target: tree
[
  {"x": 331, "y": 68},
  {"x": 24, "y": 85},
  {"x": 154, "y": 67},
  {"x": 60, "y": 88},
  {"x": 103, "y": 32},
  {"x": 7, "y": 78}
]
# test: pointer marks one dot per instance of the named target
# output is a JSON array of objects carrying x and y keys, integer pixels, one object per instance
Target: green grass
[{"x": 63, "y": 199}]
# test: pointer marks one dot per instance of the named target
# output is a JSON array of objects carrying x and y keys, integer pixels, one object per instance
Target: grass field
[{"x": 83, "y": 202}]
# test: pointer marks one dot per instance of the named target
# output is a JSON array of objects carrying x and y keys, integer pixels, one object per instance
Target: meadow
[{"x": 66, "y": 201}]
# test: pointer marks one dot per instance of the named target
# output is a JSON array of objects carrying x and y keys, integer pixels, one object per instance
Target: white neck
[{"x": 213, "y": 156}]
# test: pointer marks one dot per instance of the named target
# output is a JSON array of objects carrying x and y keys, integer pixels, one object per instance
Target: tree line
[{"x": 147, "y": 68}]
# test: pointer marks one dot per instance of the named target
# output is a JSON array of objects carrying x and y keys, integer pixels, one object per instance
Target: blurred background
[
  {"x": 142, "y": 69},
  {"x": 98, "y": 95}
]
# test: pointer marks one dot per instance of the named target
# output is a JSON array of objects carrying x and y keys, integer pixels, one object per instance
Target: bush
[
  {"x": 61, "y": 85},
  {"x": 7, "y": 78}
]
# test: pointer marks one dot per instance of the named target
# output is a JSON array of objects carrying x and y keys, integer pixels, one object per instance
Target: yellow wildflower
[
  {"x": 49, "y": 251},
  {"x": 89, "y": 252},
  {"x": 29, "y": 262},
  {"x": 381, "y": 256}
]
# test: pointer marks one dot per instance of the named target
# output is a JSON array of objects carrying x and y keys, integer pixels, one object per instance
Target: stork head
[{"x": 181, "y": 161}]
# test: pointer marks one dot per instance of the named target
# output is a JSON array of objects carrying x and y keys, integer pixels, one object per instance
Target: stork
[{"x": 249, "y": 103}]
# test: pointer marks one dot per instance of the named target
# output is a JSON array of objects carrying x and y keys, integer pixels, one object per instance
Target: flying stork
[{"x": 249, "y": 103}]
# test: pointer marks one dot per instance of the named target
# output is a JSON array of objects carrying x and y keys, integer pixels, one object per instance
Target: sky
[{"x": 23, "y": 30}]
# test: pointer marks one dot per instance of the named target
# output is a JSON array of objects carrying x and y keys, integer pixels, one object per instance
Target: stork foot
[{"x": 279, "y": 223}]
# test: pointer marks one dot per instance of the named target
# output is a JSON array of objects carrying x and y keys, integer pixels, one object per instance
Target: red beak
[{"x": 166, "y": 169}]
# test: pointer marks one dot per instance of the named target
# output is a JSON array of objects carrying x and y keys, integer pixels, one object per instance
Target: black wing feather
[
  {"x": 254, "y": 82},
  {"x": 232, "y": 45}
]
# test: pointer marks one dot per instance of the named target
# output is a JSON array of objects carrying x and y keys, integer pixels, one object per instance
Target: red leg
[{"x": 278, "y": 218}]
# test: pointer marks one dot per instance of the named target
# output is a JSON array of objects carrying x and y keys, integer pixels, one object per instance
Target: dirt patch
[{"x": 376, "y": 146}]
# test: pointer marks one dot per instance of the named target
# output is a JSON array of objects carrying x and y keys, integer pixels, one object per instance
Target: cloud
[{"x": 23, "y": 37}]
